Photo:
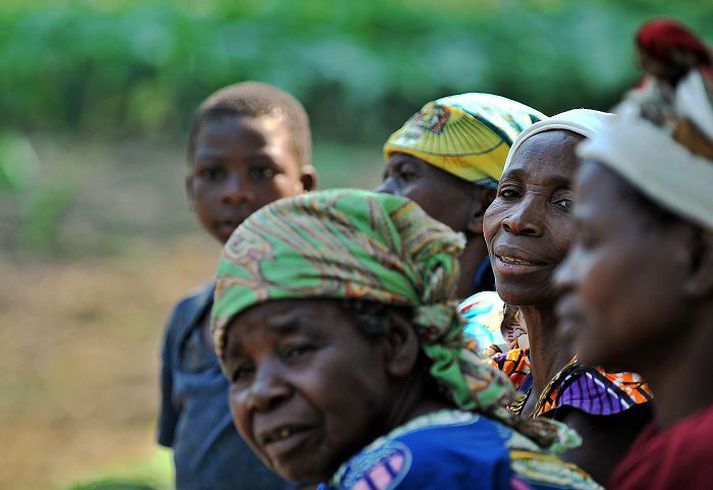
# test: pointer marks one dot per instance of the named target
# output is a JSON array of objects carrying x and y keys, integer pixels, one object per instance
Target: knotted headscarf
[
  {"x": 661, "y": 140},
  {"x": 352, "y": 244},
  {"x": 467, "y": 135}
]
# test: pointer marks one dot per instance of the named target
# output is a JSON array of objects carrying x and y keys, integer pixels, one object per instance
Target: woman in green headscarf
[{"x": 335, "y": 322}]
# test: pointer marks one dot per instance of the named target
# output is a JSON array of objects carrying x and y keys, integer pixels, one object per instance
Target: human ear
[
  {"x": 401, "y": 347},
  {"x": 308, "y": 178},
  {"x": 700, "y": 280},
  {"x": 482, "y": 198}
]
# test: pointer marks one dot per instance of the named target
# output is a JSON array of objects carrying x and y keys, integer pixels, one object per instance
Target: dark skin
[
  {"x": 239, "y": 164},
  {"x": 663, "y": 324},
  {"x": 295, "y": 395},
  {"x": 449, "y": 199},
  {"x": 529, "y": 230}
]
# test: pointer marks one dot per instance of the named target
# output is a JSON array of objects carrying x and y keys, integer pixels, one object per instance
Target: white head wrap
[
  {"x": 585, "y": 122},
  {"x": 648, "y": 157}
]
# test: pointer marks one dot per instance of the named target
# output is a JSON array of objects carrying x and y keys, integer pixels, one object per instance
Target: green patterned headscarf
[{"x": 353, "y": 244}]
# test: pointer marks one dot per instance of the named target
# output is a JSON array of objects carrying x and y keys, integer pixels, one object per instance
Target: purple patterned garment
[{"x": 599, "y": 392}]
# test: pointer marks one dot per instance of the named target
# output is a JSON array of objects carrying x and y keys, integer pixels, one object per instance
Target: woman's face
[
  {"x": 529, "y": 226},
  {"x": 443, "y": 196},
  {"x": 621, "y": 284},
  {"x": 308, "y": 390}
]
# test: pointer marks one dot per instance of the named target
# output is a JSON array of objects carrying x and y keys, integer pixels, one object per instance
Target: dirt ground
[
  {"x": 92, "y": 256},
  {"x": 79, "y": 346}
]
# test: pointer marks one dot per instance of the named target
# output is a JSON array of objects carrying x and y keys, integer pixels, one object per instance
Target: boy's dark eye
[
  {"x": 263, "y": 172},
  {"x": 211, "y": 173}
]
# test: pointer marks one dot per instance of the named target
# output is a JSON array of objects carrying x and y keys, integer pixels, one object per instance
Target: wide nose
[
  {"x": 524, "y": 218},
  {"x": 269, "y": 387},
  {"x": 387, "y": 186},
  {"x": 236, "y": 190}
]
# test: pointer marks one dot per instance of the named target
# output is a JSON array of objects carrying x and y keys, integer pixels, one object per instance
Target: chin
[
  {"x": 518, "y": 294},
  {"x": 594, "y": 353},
  {"x": 301, "y": 473}
]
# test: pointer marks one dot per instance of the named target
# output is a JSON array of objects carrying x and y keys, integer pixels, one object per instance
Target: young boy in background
[{"x": 249, "y": 145}]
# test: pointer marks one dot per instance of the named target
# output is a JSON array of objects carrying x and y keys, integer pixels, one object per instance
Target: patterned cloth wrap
[
  {"x": 352, "y": 244},
  {"x": 483, "y": 315},
  {"x": 592, "y": 390},
  {"x": 661, "y": 140},
  {"x": 467, "y": 135}
]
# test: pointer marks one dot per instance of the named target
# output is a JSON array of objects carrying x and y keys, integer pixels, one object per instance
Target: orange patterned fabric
[
  {"x": 592, "y": 390},
  {"x": 515, "y": 363}
]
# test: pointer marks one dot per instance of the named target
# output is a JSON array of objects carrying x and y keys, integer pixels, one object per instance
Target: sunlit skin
[
  {"x": 308, "y": 389},
  {"x": 240, "y": 164},
  {"x": 449, "y": 199},
  {"x": 529, "y": 229},
  {"x": 636, "y": 291}
]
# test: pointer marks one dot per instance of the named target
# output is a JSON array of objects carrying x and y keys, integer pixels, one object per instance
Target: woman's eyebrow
[
  {"x": 559, "y": 181},
  {"x": 287, "y": 324},
  {"x": 515, "y": 174}
]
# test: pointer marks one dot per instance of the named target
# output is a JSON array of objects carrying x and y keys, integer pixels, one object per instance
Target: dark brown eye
[
  {"x": 241, "y": 372},
  {"x": 263, "y": 172},
  {"x": 211, "y": 173}
]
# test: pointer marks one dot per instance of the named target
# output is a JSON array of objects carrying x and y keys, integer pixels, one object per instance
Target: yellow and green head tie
[
  {"x": 353, "y": 244},
  {"x": 467, "y": 135}
]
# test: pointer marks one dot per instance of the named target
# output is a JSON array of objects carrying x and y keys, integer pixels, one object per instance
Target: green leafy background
[{"x": 96, "y": 239}]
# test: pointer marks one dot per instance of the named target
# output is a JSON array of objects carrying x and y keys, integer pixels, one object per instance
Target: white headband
[{"x": 585, "y": 122}]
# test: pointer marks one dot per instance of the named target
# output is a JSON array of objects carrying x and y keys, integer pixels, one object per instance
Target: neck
[
  {"x": 677, "y": 373},
  {"x": 412, "y": 400},
  {"x": 473, "y": 255},
  {"x": 549, "y": 351}
]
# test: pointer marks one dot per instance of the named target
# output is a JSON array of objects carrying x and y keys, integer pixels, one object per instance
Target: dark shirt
[
  {"x": 484, "y": 279},
  {"x": 195, "y": 418}
]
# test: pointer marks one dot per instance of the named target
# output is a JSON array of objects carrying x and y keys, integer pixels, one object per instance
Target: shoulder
[
  {"x": 185, "y": 311},
  {"x": 674, "y": 458},
  {"x": 596, "y": 391},
  {"x": 446, "y": 450},
  {"x": 515, "y": 364}
]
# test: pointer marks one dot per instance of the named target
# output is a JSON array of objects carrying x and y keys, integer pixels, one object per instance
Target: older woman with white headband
[
  {"x": 638, "y": 284},
  {"x": 529, "y": 229}
]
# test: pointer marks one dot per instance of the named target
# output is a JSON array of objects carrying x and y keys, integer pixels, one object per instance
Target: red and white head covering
[{"x": 661, "y": 139}]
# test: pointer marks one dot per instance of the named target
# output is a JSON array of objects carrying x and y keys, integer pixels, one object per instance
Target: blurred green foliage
[
  {"x": 360, "y": 67},
  {"x": 135, "y": 70}
]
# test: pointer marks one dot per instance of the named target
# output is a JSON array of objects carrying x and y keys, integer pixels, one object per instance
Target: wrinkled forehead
[{"x": 545, "y": 154}]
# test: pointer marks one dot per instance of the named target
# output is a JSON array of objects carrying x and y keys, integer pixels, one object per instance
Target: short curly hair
[{"x": 255, "y": 99}]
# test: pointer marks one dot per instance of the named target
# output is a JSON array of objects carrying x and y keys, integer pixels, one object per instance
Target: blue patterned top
[{"x": 451, "y": 450}]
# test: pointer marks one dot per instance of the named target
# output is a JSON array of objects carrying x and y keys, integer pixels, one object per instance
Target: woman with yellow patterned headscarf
[
  {"x": 335, "y": 322},
  {"x": 448, "y": 157}
]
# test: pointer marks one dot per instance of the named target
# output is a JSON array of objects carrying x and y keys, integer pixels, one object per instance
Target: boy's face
[
  {"x": 239, "y": 165},
  {"x": 308, "y": 390}
]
